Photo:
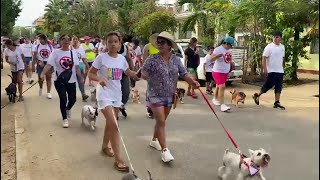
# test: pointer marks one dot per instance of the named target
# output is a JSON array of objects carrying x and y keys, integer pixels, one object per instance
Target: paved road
[{"x": 194, "y": 136}]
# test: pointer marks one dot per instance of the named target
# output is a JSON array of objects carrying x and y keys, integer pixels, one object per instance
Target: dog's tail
[{"x": 233, "y": 91}]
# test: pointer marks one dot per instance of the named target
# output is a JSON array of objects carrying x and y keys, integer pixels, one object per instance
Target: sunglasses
[{"x": 161, "y": 42}]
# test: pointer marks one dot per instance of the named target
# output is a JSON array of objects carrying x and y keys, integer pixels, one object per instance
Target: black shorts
[
  {"x": 273, "y": 79},
  {"x": 90, "y": 64},
  {"x": 209, "y": 77}
]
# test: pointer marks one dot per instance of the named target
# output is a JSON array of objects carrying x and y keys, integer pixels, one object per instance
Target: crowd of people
[{"x": 112, "y": 65}]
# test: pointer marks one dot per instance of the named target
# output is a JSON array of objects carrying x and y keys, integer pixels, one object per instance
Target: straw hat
[{"x": 169, "y": 37}]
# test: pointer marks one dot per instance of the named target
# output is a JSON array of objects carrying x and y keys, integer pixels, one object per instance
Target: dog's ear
[{"x": 251, "y": 152}]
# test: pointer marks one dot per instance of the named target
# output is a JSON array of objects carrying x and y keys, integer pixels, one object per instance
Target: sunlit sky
[{"x": 32, "y": 9}]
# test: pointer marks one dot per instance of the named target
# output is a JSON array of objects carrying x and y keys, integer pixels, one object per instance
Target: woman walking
[
  {"x": 14, "y": 56},
  {"x": 83, "y": 64},
  {"x": 221, "y": 68},
  {"x": 41, "y": 54},
  {"x": 66, "y": 67},
  {"x": 27, "y": 52},
  {"x": 161, "y": 71},
  {"x": 110, "y": 66}
]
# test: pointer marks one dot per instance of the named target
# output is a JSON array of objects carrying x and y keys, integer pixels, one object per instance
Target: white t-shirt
[
  {"x": 100, "y": 47},
  {"x": 26, "y": 49},
  {"x": 61, "y": 60},
  {"x": 110, "y": 69},
  {"x": 275, "y": 54},
  {"x": 80, "y": 53},
  {"x": 43, "y": 51},
  {"x": 221, "y": 65},
  {"x": 209, "y": 63},
  {"x": 16, "y": 58}
]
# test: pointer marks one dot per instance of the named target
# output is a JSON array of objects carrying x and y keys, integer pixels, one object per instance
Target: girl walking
[
  {"x": 66, "y": 67},
  {"x": 221, "y": 68},
  {"x": 107, "y": 69}
]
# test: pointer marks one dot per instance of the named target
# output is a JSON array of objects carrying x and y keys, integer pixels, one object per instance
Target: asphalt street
[{"x": 194, "y": 137}]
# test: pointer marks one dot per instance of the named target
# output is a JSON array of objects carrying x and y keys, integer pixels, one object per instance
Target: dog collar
[{"x": 252, "y": 167}]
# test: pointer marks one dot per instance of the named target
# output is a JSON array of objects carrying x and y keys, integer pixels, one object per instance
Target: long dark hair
[{"x": 9, "y": 42}]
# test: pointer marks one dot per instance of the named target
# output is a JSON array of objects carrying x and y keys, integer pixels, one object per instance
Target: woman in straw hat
[{"x": 161, "y": 70}]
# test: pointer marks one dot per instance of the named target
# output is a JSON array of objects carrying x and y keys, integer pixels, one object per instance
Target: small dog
[
  {"x": 90, "y": 113},
  {"x": 131, "y": 176},
  {"x": 93, "y": 95},
  {"x": 11, "y": 90},
  {"x": 180, "y": 94},
  {"x": 237, "y": 97},
  {"x": 135, "y": 96},
  {"x": 246, "y": 168}
]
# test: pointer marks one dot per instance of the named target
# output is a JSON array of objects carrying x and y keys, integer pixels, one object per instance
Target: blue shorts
[
  {"x": 27, "y": 60},
  {"x": 159, "y": 101},
  {"x": 40, "y": 69}
]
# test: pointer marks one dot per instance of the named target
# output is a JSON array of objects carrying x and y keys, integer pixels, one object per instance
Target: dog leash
[
  {"x": 22, "y": 93},
  {"x": 125, "y": 149},
  {"x": 225, "y": 130}
]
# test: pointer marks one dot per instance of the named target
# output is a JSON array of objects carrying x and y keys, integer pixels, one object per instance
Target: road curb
[{"x": 22, "y": 161}]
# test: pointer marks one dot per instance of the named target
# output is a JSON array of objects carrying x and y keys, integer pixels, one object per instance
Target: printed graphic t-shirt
[
  {"x": 61, "y": 61},
  {"x": 16, "y": 58},
  {"x": 43, "y": 51},
  {"x": 26, "y": 49},
  {"x": 221, "y": 65},
  {"x": 110, "y": 69},
  {"x": 80, "y": 53}
]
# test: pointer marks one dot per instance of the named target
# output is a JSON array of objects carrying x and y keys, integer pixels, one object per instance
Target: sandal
[
  {"x": 20, "y": 99},
  {"x": 121, "y": 166},
  {"x": 194, "y": 96},
  {"x": 107, "y": 151}
]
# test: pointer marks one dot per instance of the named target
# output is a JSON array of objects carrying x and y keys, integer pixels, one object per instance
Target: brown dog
[
  {"x": 135, "y": 96},
  {"x": 237, "y": 97}
]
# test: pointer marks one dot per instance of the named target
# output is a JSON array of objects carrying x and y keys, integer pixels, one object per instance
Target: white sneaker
[
  {"x": 40, "y": 92},
  {"x": 155, "y": 144},
  {"x": 49, "y": 96},
  {"x": 166, "y": 155},
  {"x": 216, "y": 102},
  {"x": 65, "y": 123},
  {"x": 69, "y": 113},
  {"x": 224, "y": 108}
]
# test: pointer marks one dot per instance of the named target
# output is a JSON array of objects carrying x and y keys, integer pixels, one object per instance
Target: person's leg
[
  {"x": 40, "y": 81},
  {"x": 48, "y": 81},
  {"x": 221, "y": 93},
  {"x": 265, "y": 88},
  {"x": 159, "y": 128},
  {"x": 61, "y": 90},
  {"x": 277, "y": 90},
  {"x": 112, "y": 128},
  {"x": 125, "y": 88},
  {"x": 20, "y": 84},
  {"x": 72, "y": 95}
]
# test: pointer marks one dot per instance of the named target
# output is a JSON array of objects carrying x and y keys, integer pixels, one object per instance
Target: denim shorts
[
  {"x": 159, "y": 101},
  {"x": 27, "y": 60},
  {"x": 39, "y": 69}
]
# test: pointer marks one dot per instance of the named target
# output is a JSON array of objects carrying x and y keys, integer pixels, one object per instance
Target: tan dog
[
  {"x": 135, "y": 96},
  {"x": 237, "y": 97}
]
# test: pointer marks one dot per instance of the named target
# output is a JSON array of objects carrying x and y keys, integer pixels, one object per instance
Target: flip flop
[
  {"x": 121, "y": 166},
  {"x": 107, "y": 151}
]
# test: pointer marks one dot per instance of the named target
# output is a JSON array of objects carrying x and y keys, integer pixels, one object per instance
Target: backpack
[{"x": 65, "y": 76}]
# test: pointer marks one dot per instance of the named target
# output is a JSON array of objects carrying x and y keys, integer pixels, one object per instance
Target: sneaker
[
  {"x": 123, "y": 111},
  {"x": 49, "y": 96},
  {"x": 216, "y": 102},
  {"x": 69, "y": 113},
  {"x": 278, "y": 106},
  {"x": 84, "y": 97},
  {"x": 256, "y": 98},
  {"x": 224, "y": 108},
  {"x": 208, "y": 92},
  {"x": 40, "y": 92},
  {"x": 65, "y": 123},
  {"x": 166, "y": 155},
  {"x": 155, "y": 144}
]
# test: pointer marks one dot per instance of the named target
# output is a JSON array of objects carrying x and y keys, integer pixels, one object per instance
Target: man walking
[{"x": 272, "y": 64}]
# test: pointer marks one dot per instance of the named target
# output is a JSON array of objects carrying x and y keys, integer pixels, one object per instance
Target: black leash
[{"x": 22, "y": 93}]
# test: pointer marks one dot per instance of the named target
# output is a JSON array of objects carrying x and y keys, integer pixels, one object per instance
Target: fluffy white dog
[
  {"x": 90, "y": 113},
  {"x": 247, "y": 168}
]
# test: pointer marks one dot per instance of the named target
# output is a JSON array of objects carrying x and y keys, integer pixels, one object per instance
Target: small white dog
[
  {"x": 245, "y": 168},
  {"x": 90, "y": 113}
]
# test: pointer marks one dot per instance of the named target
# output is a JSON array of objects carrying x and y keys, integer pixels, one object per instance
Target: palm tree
[{"x": 56, "y": 10}]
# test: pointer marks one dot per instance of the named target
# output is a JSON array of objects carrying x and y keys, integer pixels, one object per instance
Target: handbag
[{"x": 65, "y": 76}]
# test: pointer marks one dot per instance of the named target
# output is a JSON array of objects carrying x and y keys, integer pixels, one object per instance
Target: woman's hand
[
  {"x": 196, "y": 84},
  {"x": 103, "y": 82}
]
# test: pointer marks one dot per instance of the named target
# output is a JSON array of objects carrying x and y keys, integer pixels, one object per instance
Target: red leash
[{"x": 225, "y": 130}]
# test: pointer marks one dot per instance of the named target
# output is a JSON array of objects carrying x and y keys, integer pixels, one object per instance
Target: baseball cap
[{"x": 229, "y": 40}]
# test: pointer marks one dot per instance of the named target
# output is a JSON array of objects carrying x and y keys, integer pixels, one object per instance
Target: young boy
[{"x": 207, "y": 69}]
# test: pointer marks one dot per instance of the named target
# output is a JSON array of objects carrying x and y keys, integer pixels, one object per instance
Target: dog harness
[{"x": 252, "y": 167}]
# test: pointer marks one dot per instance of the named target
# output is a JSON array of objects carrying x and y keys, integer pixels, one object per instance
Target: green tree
[
  {"x": 21, "y": 32},
  {"x": 56, "y": 12},
  {"x": 10, "y": 10},
  {"x": 158, "y": 21}
]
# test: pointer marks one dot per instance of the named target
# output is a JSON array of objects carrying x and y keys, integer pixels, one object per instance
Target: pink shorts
[{"x": 219, "y": 78}]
